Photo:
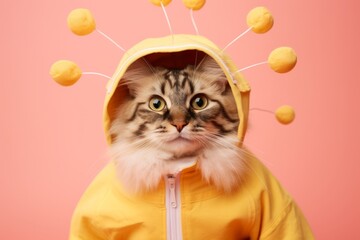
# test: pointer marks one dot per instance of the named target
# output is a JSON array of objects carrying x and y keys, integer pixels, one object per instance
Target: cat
[
  {"x": 174, "y": 118},
  {"x": 178, "y": 168}
]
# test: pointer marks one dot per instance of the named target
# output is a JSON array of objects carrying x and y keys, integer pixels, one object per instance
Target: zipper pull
[{"x": 172, "y": 184}]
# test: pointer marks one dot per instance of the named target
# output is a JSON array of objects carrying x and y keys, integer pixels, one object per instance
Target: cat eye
[
  {"x": 157, "y": 104},
  {"x": 199, "y": 102}
]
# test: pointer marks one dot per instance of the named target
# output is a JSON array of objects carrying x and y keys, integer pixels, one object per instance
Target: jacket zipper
[{"x": 173, "y": 208}]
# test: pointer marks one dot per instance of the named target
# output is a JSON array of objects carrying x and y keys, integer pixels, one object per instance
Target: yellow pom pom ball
[
  {"x": 285, "y": 114},
  {"x": 81, "y": 22},
  {"x": 260, "y": 19},
  {"x": 282, "y": 59},
  {"x": 65, "y": 73},
  {"x": 194, "y": 4},
  {"x": 158, "y": 2}
]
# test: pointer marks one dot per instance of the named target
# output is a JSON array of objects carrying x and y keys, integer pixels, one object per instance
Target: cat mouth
[{"x": 179, "y": 139}]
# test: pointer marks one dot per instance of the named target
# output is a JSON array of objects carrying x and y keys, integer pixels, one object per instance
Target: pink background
[{"x": 51, "y": 138}]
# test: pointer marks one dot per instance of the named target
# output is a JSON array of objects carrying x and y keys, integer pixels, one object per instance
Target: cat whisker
[
  {"x": 198, "y": 66},
  {"x": 194, "y": 67},
  {"x": 148, "y": 64},
  {"x": 218, "y": 139},
  {"x": 138, "y": 143}
]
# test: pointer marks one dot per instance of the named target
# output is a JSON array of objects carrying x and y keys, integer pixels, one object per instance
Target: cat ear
[
  {"x": 135, "y": 73},
  {"x": 214, "y": 74}
]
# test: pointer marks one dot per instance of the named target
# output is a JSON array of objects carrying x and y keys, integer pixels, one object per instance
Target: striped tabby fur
[{"x": 160, "y": 126}]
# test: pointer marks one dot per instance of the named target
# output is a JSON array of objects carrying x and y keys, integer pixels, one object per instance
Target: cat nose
[{"x": 179, "y": 125}]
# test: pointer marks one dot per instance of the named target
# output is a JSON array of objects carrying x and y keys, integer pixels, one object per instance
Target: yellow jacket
[{"x": 184, "y": 206}]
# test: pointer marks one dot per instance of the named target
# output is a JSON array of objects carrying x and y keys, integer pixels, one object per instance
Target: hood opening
[{"x": 177, "y": 59}]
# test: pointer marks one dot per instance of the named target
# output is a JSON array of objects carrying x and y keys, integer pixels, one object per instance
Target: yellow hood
[{"x": 183, "y": 47}]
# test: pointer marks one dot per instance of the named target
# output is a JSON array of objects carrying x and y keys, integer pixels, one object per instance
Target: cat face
[
  {"x": 169, "y": 116},
  {"x": 178, "y": 111}
]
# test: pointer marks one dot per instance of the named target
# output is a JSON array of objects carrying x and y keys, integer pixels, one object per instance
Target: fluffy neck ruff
[{"x": 141, "y": 169}]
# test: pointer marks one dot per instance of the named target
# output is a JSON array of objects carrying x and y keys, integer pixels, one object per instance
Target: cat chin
[{"x": 181, "y": 147}]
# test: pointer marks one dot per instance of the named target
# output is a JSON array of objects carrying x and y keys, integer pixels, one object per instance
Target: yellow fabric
[
  {"x": 259, "y": 209},
  {"x": 282, "y": 59},
  {"x": 260, "y": 20},
  {"x": 194, "y": 4},
  {"x": 159, "y": 2},
  {"x": 65, "y": 73},
  {"x": 285, "y": 114},
  {"x": 81, "y": 22}
]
